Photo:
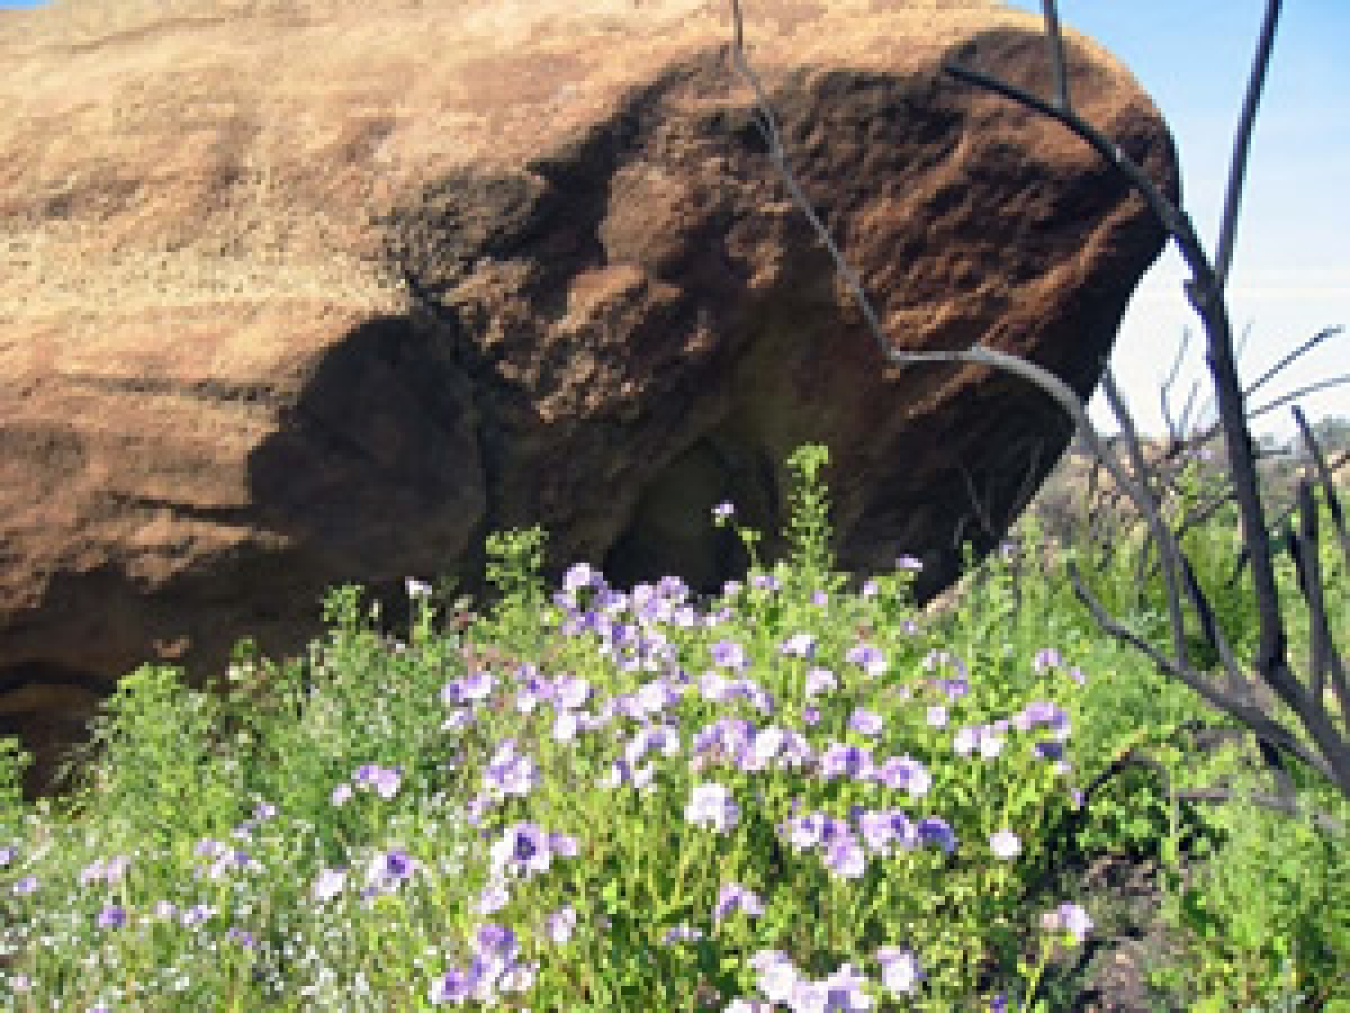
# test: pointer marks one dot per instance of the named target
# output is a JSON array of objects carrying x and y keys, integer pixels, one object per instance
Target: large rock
[{"x": 310, "y": 291}]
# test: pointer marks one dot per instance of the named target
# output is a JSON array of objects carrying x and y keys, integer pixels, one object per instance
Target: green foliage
[
  {"x": 1270, "y": 915},
  {"x": 14, "y": 761},
  {"x": 515, "y": 563},
  {"x": 155, "y": 744},
  {"x": 809, "y": 532},
  {"x": 265, "y": 763}
]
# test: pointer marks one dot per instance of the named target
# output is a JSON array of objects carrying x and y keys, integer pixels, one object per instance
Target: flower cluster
[
  {"x": 782, "y": 984},
  {"x": 495, "y": 969},
  {"x": 384, "y": 781}
]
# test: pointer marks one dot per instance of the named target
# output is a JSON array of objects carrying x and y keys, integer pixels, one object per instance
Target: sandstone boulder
[{"x": 310, "y": 291}]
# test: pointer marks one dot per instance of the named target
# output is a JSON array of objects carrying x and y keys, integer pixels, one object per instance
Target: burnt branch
[
  {"x": 1292, "y": 357},
  {"x": 1324, "y": 479},
  {"x": 1263, "y": 725},
  {"x": 1324, "y": 658},
  {"x": 1329, "y": 752},
  {"x": 1237, "y": 170}
]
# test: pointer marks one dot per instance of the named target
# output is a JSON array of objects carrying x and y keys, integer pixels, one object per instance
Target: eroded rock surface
[{"x": 297, "y": 293}]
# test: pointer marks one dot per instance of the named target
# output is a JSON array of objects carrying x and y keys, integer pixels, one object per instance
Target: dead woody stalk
[{"x": 1323, "y": 746}]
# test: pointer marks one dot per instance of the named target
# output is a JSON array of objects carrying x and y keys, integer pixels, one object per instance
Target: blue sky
[
  {"x": 1291, "y": 265},
  {"x": 1291, "y": 270}
]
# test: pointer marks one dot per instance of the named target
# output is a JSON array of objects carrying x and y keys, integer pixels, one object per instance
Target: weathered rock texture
[{"x": 313, "y": 291}]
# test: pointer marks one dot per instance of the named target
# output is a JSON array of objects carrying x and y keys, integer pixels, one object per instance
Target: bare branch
[
  {"x": 1168, "y": 551},
  {"x": 1253, "y": 717},
  {"x": 1275, "y": 803},
  {"x": 1324, "y": 657},
  {"x": 1205, "y": 292},
  {"x": 1135, "y": 757},
  {"x": 1174, "y": 432},
  {"x": 773, "y": 138},
  {"x": 1328, "y": 486},
  {"x": 1237, "y": 169},
  {"x": 1280, "y": 522},
  {"x": 1173, "y": 218},
  {"x": 1307, "y": 346},
  {"x": 1207, "y": 299},
  {"x": 1055, "y": 42},
  {"x": 1189, "y": 407},
  {"x": 1215, "y": 428},
  {"x": 1295, "y": 395},
  {"x": 1238, "y": 683}
]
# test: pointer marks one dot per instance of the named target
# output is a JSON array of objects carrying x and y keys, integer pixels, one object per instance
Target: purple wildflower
[
  {"x": 800, "y": 645},
  {"x": 904, "y": 773},
  {"x": 846, "y": 858},
  {"x": 509, "y": 772},
  {"x": 843, "y": 760},
  {"x": 560, "y": 925},
  {"x": 113, "y": 916},
  {"x": 564, "y": 845},
  {"x": 761, "y": 751},
  {"x": 473, "y": 687},
  {"x": 733, "y": 896},
  {"x": 778, "y": 979},
  {"x": 869, "y": 658},
  {"x": 878, "y": 830},
  {"x": 805, "y": 832},
  {"x": 1005, "y": 844},
  {"x": 965, "y": 740},
  {"x": 494, "y": 896},
  {"x": 328, "y": 884},
  {"x": 454, "y": 986},
  {"x": 900, "y": 972},
  {"x": 1045, "y": 658},
  {"x": 935, "y": 830},
  {"x": 385, "y": 780},
  {"x": 680, "y": 933},
  {"x": 197, "y": 915},
  {"x": 1049, "y": 750},
  {"x": 1070, "y": 919},
  {"x": 843, "y": 990},
  {"x": 109, "y": 872},
  {"x": 757, "y": 696},
  {"x": 523, "y": 849},
  {"x": 622, "y": 772},
  {"x": 728, "y": 654},
  {"x": 582, "y": 575},
  {"x": 866, "y": 722},
  {"x": 570, "y": 693},
  {"x": 712, "y": 803},
  {"x": 387, "y": 870},
  {"x": 819, "y": 680}
]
